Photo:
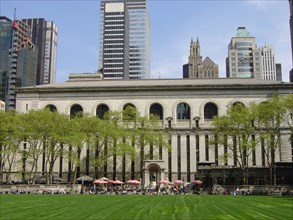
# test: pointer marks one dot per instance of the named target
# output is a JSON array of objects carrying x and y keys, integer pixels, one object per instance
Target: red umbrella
[
  {"x": 130, "y": 181},
  {"x": 110, "y": 181},
  {"x": 118, "y": 182},
  {"x": 178, "y": 182},
  {"x": 134, "y": 182},
  {"x": 165, "y": 182},
  {"x": 198, "y": 182},
  {"x": 99, "y": 181}
]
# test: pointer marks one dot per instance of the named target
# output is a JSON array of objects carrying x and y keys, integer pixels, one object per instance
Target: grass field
[{"x": 112, "y": 207}]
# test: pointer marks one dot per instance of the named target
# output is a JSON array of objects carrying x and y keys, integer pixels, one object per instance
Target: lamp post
[
  {"x": 196, "y": 121},
  {"x": 169, "y": 120}
]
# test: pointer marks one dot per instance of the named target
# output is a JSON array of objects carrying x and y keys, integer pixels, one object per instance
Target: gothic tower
[{"x": 194, "y": 59}]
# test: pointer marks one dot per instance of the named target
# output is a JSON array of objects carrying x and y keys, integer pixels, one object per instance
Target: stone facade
[
  {"x": 196, "y": 68},
  {"x": 189, "y": 132}
]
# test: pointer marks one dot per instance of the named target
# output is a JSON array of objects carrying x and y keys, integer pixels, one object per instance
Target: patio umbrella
[
  {"x": 118, "y": 182},
  {"x": 83, "y": 179},
  {"x": 134, "y": 182},
  {"x": 99, "y": 181},
  {"x": 165, "y": 182},
  {"x": 130, "y": 182},
  {"x": 110, "y": 181},
  {"x": 41, "y": 179},
  {"x": 57, "y": 179},
  {"x": 198, "y": 182},
  {"x": 104, "y": 178},
  {"x": 178, "y": 182}
]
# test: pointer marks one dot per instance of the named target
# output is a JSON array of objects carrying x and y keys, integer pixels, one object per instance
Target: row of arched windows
[{"x": 182, "y": 111}]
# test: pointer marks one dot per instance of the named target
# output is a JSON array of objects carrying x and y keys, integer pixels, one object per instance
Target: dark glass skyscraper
[
  {"x": 44, "y": 35},
  {"x": 18, "y": 66},
  {"x": 291, "y": 29}
]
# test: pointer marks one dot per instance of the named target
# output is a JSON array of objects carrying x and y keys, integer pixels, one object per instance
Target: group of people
[{"x": 241, "y": 192}]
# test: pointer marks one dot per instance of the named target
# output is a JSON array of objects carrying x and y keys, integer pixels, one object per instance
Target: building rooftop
[
  {"x": 97, "y": 83},
  {"x": 242, "y": 32}
]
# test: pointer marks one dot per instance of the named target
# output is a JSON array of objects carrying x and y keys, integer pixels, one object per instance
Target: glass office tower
[
  {"x": 244, "y": 58},
  {"x": 124, "y": 45},
  {"x": 18, "y": 66},
  {"x": 44, "y": 34}
]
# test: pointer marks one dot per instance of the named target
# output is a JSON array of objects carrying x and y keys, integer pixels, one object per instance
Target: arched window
[
  {"x": 76, "y": 110},
  {"x": 101, "y": 111},
  {"x": 52, "y": 108},
  {"x": 157, "y": 109},
  {"x": 129, "y": 112},
  {"x": 237, "y": 106},
  {"x": 210, "y": 110},
  {"x": 183, "y": 111}
]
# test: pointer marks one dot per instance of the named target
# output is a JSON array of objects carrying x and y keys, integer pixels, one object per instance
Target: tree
[
  {"x": 271, "y": 116},
  {"x": 55, "y": 140},
  {"x": 36, "y": 127},
  {"x": 287, "y": 102},
  {"x": 145, "y": 131},
  {"x": 118, "y": 139},
  {"x": 9, "y": 142},
  {"x": 235, "y": 131}
]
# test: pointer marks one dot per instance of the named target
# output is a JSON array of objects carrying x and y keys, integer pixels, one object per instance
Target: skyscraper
[
  {"x": 124, "y": 45},
  {"x": 268, "y": 63},
  {"x": 44, "y": 35},
  {"x": 196, "y": 68},
  {"x": 244, "y": 58},
  {"x": 279, "y": 72},
  {"x": 18, "y": 66},
  {"x": 291, "y": 29}
]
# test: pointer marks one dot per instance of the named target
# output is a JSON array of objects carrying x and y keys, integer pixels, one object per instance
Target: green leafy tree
[
  {"x": 36, "y": 127},
  {"x": 287, "y": 102},
  {"x": 76, "y": 142},
  {"x": 235, "y": 130},
  {"x": 10, "y": 140},
  {"x": 271, "y": 117},
  {"x": 55, "y": 140},
  {"x": 144, "y": 131}
]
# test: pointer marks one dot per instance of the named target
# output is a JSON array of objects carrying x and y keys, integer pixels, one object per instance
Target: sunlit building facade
[
  {"x": 196, "y": 68},
  {"x": 124, "y": 45},
  {"x": 244, "y": 58},
  {"x": 185, "y": 108},
  {"x": 268, "y": 63}
]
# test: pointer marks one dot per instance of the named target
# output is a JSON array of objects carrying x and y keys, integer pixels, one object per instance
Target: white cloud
[{"x": 263, "y": 5}]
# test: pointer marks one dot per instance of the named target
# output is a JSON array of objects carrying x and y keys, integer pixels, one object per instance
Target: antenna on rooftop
[{"x": 14, "y": 17}]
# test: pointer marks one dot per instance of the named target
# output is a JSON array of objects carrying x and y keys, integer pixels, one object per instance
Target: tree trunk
[{"x": 1, "y": 164}]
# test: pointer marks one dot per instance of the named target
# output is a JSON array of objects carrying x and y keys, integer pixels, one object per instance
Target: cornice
[{"x": 155, "y": 88}]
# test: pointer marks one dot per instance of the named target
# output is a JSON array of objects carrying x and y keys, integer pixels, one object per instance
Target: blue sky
[{"x": 173, "y": 24}]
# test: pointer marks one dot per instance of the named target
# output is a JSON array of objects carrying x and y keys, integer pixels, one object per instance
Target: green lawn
[{"x": 144, "y": 207}]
